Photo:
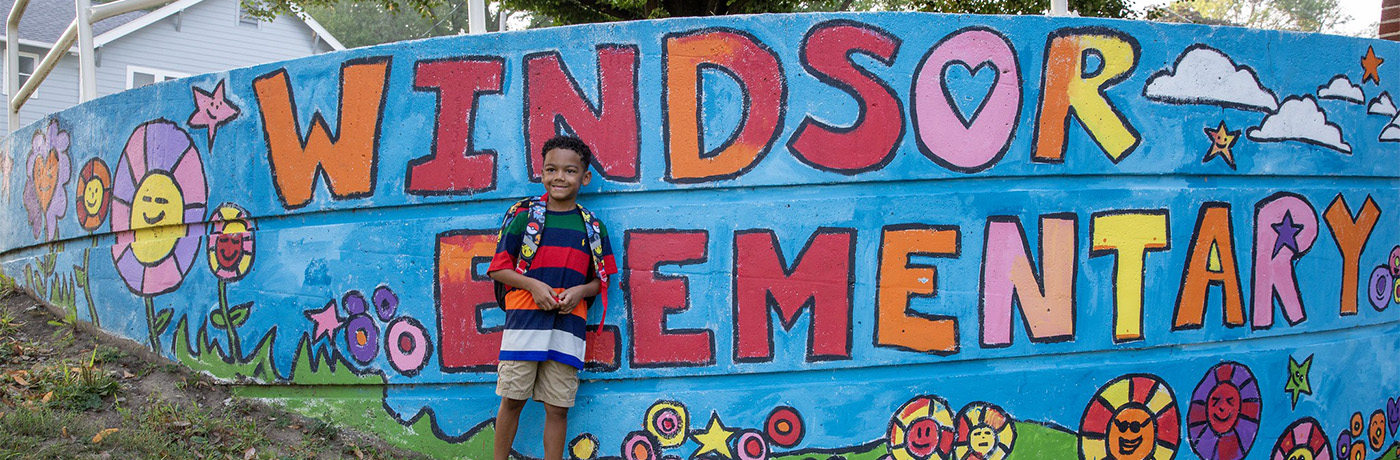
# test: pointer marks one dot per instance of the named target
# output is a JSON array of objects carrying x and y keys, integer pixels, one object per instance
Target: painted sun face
[
  {"x": 46, "y": 176},
  {"x": 228, "y": 248},
  {"x": 1223, "y": 407},
  {"x": 92, "y": 196},
  {"x": 922, "y": 438},
  {"x": 982, "y": 439},
  {"x": 1131, "y": 434},
  {"x": 157, "y": 215}
]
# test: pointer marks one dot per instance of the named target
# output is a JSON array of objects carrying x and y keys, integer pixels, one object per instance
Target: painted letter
[
  {"x": 967, "y": 142},
  {"x": 828, "y": 53},
  {"x": 755, "y": 68},
  {"x": 899, "y": 281},
  {"x": 1128, "y": 235},
  {"x": 347, "y": 158},
  {"x": 610, "y": 128},
  {"x": 1075, "y": 87},
  {"x": 1210, "y": 262},
  {"x": 1351, "y": 236},
  {"x": 462, "y": 294},
  {"x": 1009, "y": 278},
  {"x": 653, "y": 296},
  {"x": 1285, "y": 227},
  {"x": 820, "y": 279},
  {"x": 455, "y": 167}
]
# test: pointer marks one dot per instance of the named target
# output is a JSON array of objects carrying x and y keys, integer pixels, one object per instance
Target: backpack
[{"x": 530, "y": 243}]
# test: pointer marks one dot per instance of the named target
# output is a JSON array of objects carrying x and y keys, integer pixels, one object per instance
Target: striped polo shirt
[{"x": 561, "y": 262}]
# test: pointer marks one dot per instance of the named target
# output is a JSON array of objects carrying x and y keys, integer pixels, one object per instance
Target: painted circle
[
  {"x": 386, "y": 303},
  {"x": 354, "y": 303},
  {"x": 1132, "y": 417},
  {"x": 230, "y": 246},
  {"x": 1344, "y": 444},
  {"x": 407, "y": 345},
  {"x": 921, "y": 429},
  {"x": 1396, "y": 291},
  {"x": 362, "y": 338},
  {"x": 984, "y": 432},
  {"x": 751, "y": 446},
  {"x": 584, "y": 447},
  {"x": 1394, "y": 261},
  {"x": 1358, "y": 450},
  {"x": 1375, "y": 432},
  {"x": 669, "y": 422},
  {"x": 1358, "y": 425},
  {"x": 157, "y": 215},
  {"x": 1381, "y": 288},
  {"x": 639, "y": 446},
  {"x": 1222, "y": 421},
  {"x": 784, "y": 427},
  {"x": 1302, "y": 440}
]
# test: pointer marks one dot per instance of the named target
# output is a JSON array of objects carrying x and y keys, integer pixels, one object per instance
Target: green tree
[
  {"x": 1096, "y": 8},
  {"x": 1296, "y": 15},
  {"x": 363, "y": 23}
]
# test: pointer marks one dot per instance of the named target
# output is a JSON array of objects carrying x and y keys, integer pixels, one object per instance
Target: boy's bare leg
[
  {"x": 507, "y": 420},
  {"x": 556, "y": 422}
]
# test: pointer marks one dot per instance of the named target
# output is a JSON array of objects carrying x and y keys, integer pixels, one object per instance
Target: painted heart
[
  {"x": 46, "y": 177},
  {"x": 968, "y": 88},
  {"x": 1392, "y": 414}
]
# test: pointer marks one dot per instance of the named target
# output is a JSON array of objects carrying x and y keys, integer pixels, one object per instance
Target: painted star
[
  {"x": 1298, "y": 382},
  {"x": 212, "y": 110},
  {"x": 1370, "y": 66},
  {"x": 1287, "y": 233},
  {"x": 1221, "y": 139},
  {"x": 325, "y": 319},
  {"x": 714, "y": 438}
]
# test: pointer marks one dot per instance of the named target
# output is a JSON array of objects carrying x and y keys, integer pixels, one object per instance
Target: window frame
[
  {"x": 25, "y": 54},
  {"x": 159, "y": 74}
]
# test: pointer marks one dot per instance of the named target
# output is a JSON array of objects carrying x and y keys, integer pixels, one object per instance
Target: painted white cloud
[
  {"x": 1204, "y": 75},
  {"x": 1381, "y": 105},
  {"x": 1391, "y": 133},
  {"x": 1300, "y": 119},
  {"x": 1341, "y": 88}
]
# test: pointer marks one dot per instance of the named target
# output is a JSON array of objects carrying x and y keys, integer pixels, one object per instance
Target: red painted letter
[
  {"x": 454, "y": 166},
  {"x": 870, "y": 142},
  {"x": 820, "y": 278},
  {"x": 652, "y": 296},
  {"x": 553, "y": 97}
]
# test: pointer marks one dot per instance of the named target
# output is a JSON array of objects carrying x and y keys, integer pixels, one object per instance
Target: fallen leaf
[
  {"x": 47, "y": 397},
  {"x": 293, "y": 427},
  {"x": 102, "y": 434},
  {"x": 64, "y": 431},
  {"x": 180, "y": 424},
  {"x": 20, "y": 380},
  {"x": 250, "y": 453},
  {"x": 358, "y": 454},
  {"x": 126, "y": 374}
]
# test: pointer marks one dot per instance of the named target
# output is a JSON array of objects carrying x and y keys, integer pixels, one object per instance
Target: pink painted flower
[
  {"x": 158, "y": 191},
  {"x": 230, "y": 246},
  {"x": 48, "y": 169}
]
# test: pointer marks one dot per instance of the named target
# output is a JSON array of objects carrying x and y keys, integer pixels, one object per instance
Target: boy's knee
[
  {"x": 555, "y": 411},
  {"x": 513, "y": 404}
]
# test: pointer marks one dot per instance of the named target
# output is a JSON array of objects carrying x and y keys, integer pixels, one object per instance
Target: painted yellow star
[
  {"x": 1370, "y": 66},
  {"x": 714, "y": 438},
  {"x": 1221, "y": 139}
]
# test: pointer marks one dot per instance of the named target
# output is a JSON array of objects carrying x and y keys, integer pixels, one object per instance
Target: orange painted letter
[{"x": 899, "y": 281}]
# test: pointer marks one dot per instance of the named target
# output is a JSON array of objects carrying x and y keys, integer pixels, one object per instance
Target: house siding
[{"x": 57, "y": 92}]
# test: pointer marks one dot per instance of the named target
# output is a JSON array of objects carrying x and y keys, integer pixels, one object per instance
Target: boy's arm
[
  {"x": 572, "y": 296},
  {"x": 541, "y": 292}
]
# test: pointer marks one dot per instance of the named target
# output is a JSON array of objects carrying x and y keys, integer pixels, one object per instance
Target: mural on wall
[{"x": 867, "y": 236}]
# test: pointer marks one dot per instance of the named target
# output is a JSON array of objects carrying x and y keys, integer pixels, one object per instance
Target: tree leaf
[{"x": 102, "y": 434}]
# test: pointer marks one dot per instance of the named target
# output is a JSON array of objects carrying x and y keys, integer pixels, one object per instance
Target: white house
[{"x": 186, "y": 37}]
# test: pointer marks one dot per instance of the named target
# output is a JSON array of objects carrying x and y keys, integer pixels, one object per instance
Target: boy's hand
[
  {"x": 544, "y": 296},
  {"x": 569, "y": 299}
]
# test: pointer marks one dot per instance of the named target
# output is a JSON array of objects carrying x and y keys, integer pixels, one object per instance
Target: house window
[
  {"x": 27, "y": 62},
  {"x": 137, "y": 77},
  {"x": 247, "y": 19}
]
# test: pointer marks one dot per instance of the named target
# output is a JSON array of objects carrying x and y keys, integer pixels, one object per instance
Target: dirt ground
[{"x": 68, "y": 393}]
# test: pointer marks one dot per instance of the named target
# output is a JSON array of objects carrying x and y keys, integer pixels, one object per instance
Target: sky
[{"x": 1365, "y": 14}]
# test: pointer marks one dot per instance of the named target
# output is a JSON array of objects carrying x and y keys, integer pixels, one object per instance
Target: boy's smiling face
[{"x": 564, "y": 174}]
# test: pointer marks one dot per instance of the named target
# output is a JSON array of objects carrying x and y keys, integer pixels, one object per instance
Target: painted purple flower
[
  {"x": 159, "y": 189},
  {"x": 362, "y": 338},
  {"x": 48, "y": 169}
]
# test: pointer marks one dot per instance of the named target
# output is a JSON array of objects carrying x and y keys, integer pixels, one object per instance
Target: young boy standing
[{"x": 555, "y": 257}]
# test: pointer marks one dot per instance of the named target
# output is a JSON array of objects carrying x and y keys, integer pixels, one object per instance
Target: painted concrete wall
[{"x": 841, "y": 236}]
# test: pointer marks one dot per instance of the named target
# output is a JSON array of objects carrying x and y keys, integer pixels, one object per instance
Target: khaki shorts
[{"x": 549, "y": 382}]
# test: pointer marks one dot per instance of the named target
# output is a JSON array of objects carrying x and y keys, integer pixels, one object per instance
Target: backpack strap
[
  {"x": 595, "y": 246},
  {"x": 523, "y": 205},
  {"x": 530, "y": 244}
]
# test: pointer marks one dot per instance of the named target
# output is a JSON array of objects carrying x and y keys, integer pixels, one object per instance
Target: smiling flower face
[
  {"x": 94, "y": 194},
  {"x": 159, "y": 188},
  {"x": 230, "y": 246},
  {"x": 48, "y": 169}
]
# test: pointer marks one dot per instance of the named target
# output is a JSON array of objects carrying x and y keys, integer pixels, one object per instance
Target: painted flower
[
  {"x": 230, "y": 244},
  {"x": 158, "y": 190},
  {"x": 94, "y": 198},
  {"x": 48, "y": 169}
]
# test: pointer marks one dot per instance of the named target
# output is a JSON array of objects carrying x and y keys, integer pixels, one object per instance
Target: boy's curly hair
[{"x": 570, "y": 143}]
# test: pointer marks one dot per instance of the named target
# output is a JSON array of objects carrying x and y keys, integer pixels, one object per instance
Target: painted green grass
[{"x": 207, "y": 356}]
